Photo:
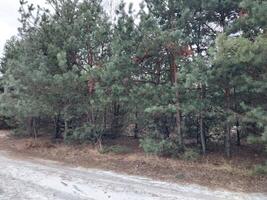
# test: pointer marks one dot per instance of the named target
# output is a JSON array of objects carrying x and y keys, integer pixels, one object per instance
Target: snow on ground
[{"x": 45, "y": 180}]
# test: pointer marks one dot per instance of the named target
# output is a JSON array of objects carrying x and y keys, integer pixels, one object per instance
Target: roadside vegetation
[{"x": 184, "y": 79}]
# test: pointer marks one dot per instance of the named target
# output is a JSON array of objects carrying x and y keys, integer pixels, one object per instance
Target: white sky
[{"x": 9, "y": 18}]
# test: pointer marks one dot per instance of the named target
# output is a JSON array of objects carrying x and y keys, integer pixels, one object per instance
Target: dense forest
[{"x": 175, "y": 74}]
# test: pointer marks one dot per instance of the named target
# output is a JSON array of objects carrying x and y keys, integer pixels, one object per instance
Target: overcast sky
[{"x": 9, "y": 18}]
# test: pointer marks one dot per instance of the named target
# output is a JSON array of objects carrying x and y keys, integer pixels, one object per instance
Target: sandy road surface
[{"x": 46, "y": 180}]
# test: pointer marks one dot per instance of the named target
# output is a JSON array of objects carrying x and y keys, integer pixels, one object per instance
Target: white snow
[{"x": 45, "y": 180}]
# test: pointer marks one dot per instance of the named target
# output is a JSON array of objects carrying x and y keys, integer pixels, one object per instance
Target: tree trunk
[
  {"x": 30, "y": 126},
  {"x": 201, "y": 124},
  {"x": 174, "y": 81},
  {"x": 198, "y": 142},
  {"x": 228, "y": 140},
  {"x": 105, "y": 118},
  {"x": 228, "y": 126},
  {"x": 57, "y": 127},
  {"x": 35, "y": 131},
  {"x": 238, "y": 140},
  {"x": 66, "y": 128},
  {"x": 115, "y": 124},
  {"x": 202, "y": 134},
  {"x": 99, "y": 143},
  {"x": 136, "y": 130},
  {"x": 179, "y": 127}
]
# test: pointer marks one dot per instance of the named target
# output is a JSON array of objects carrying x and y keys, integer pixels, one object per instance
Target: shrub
[
  {"x": 19, "y": 133},
  {"x": 179, "y": 176},
  {"x": 159, "y": 147},
  {"x": 149, "y": 145},
  {"x": 260, "y": 169},
  {"x": 117, "y": 149},
  {"x": 166, "y": 148},
  {"x": 4, "y": 122},
  {"x": 190, "y": 155},
  {"x": 84, "y": 134}
]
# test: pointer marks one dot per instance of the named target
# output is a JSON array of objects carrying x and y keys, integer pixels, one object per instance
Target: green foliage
[
  {"x": 260, "y": 170},
  {"x": 168, "y": 72},
  {"x": 180, "y": 176},
  {"x": 159, "y": 147},
  {"x": 190, "y": 155},
  {"x": 4, "y": 122},
  {"x": 149, "y": 145},
  {"x": 116, "y": 149},
  {"x": 254, "y": 140},
  {"x": 20, "y": 132},
  {"x": 83, "y": 134}
]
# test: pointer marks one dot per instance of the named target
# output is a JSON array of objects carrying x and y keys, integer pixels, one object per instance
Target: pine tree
[
  {"x": 51, "y": 72},
  {"x": 174, "y": 70}
]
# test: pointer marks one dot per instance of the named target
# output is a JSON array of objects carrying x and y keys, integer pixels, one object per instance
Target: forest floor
[{"x": 214, "y": 170}]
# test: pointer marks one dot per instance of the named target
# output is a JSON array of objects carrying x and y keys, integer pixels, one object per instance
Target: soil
[{"x": 213, "y": 170}]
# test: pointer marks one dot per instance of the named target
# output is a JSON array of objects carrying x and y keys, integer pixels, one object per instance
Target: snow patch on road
[{"x": 24, "y": 180}]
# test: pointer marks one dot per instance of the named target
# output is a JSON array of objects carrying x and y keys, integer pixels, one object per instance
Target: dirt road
[{"x": 47, "y": 180}]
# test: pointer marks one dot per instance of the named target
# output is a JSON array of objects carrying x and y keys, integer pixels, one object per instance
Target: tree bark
[
  {"x": 105, "y": 118},
  {"x": 201, "y": 124},
  {"x": 35, "y": 131},
  {"x": 57, "y": 127},
  {"x": 30, "y": 126},
  {"x": 202, "y": 134},
  {"x": 66, "y": 128},
  {"x": 174, "y": 81},
  {"x": 228, "y": 140},
  {"x": 228, "y": 126},
  {"x": 115, "y": 124},
  {"x": 136, "y": 130},
  {"x": 238, "y": 139},
  {"x": 238, "y": 142},
  {"x": 198, "y": 142}
]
